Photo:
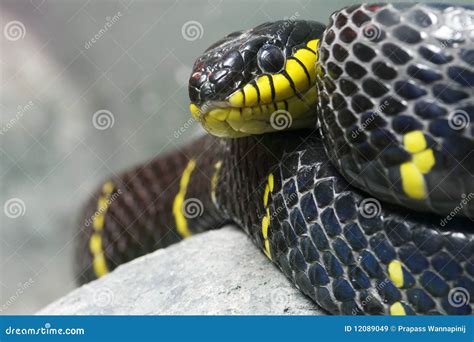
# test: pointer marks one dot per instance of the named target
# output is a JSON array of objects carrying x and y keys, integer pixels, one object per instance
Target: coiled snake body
[{"x": 361, "y": 190}]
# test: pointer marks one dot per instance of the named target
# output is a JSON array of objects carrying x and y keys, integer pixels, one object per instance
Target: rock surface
[{"x": 218, "y": 272}]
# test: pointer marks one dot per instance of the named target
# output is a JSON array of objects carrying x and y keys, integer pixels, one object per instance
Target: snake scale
[{"x": 344, "y": 151}]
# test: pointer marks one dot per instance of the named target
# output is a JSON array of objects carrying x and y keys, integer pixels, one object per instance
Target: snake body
[{"x": 365, "y": 200}]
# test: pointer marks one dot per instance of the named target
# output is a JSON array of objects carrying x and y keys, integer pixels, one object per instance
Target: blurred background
[{"x": 89, "y": 88}]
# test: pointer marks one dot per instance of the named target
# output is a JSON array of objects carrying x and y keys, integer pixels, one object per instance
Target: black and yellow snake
[{"x": 361, "y": 190}]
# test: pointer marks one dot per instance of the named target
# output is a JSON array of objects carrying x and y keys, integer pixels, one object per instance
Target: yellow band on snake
[
  {"x": 266, "y": 218},
  {"x": 99, "y": 263},
  {"x": 413, "y": 181},
  {"x": 180, "y": 219}
]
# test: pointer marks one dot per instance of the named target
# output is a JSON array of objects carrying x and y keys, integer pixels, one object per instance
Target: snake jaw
[{"x": 233, "y": 121}]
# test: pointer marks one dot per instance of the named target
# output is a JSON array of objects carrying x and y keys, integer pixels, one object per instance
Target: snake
[{"x": 344, "y": 151}]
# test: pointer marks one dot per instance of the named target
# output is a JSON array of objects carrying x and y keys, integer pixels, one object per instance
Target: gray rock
[{"x": 218, "y": 272}]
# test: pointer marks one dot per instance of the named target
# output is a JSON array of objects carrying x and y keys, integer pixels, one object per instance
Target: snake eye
[{"x": 270, "y": 59}]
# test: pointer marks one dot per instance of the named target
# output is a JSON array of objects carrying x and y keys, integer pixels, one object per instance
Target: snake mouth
[
  {"x": 269, "y": 102},
  {"x": 227, "y": 120}
]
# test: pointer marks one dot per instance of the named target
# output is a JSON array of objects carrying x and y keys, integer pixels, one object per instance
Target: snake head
[{"x": 257, "y": 81}]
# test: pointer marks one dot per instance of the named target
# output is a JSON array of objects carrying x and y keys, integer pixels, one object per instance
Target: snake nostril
[
  {"x": 196, "y": 76},
  {"x": 196, "y": 81}
]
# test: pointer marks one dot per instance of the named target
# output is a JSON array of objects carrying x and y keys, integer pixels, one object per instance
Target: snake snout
[{"x": 216, "y": 80}]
